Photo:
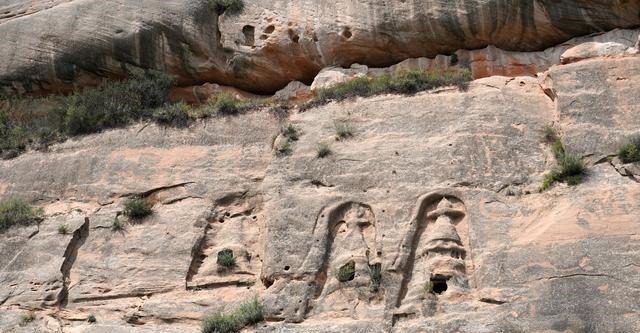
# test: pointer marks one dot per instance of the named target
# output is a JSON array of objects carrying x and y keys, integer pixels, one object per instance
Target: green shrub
[
  {"x": 323, "y": 150},
  {"x": 228, "y": 6},
  {"x": 570, "y": 168},
  {"x": 38, "y": 122},
  {"x": 249, "y": 313},
  {"x": 549, "y": 134},
  {"x": 62, "y": 229},
  {"x": 290, "y": 132},
  {"x": 117, "y": 225},
  {"x": 17, "y": 211},
  {"x": 630, "y": 151},
  {"x": 405, "y": 82},
  {"x": 283, "y": 148},
  {"x": 346, "y": 272},
  {"x": 226, "y": 260},
  {"x": 176, "y": 115},
  {"x": 27, "y": 318},
  {"x": 91, "y": 319},
  {"x": 375, "y": 276},
  {"x": 226, "y": 104},
  {"x": 344, "y": 130},
  {"x": 221, "y": 323},
  {"x": 137, "y": 208}
]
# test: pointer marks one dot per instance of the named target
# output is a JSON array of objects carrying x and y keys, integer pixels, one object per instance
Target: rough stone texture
[
  {"x": 47, "y": 46},
  {"x": 441, "y": 186}
]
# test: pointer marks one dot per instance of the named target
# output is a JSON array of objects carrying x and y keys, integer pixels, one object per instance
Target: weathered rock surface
[
  {"x": 50, "y": 45},
  {"x": 438, "y": 189}
]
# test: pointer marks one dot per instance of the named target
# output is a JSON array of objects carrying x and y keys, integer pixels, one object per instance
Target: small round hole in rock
[
  {"x": 346, "y": 33},
  {"x": 286, "y": 268},
  {"x": 438, "y": 284},
  {"x": 269, "y": 29}
]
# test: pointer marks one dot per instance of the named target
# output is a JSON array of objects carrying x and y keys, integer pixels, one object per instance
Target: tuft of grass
[
  {"x": 280, "y": 112},
  {"x": 549, "y": 134},
  {"x": 117, "y": 225},
  {"x": 91, "y": 319},
  {"x": 323, "y": 150},
  {"x": 570, "y": 168},
  {"x": 137, "y": 208},
  {"x": 405, "y": 82},
  {"x": 226, "y": 260},
  {"x": 228, "y": 6},
  {"x": 344, "y": 130},
  {"x": 63, "y": 229},
  {"x": 290, "y": 132},
  {"x": 346, "y": 272},
  {"x": 630, "y": 151},
  {"x": 17, "y": 211},
  {"x": 27, "y": 318},
  {"x": 249, "y": 313},
  {"x": 283, "y": 148},
  {"x": 175, "y": 115},
  {"x": 375, "y": 277}
]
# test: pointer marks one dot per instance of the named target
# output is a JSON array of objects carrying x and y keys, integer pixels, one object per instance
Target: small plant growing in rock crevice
[
  {"x": 630, "y": 151},
  {"x": 375, "y": 276},
  {"x": 290, "y": 132},
  {"x": 226, "y": 260},
  {"x": 137, "y": 208},
  {"x": 323, "y": 150},
  {"x": 27, "y": 318},
  {"x": 63, "y": 229},
  {"x": 91, "y": 319},
  {"x": 344, "y": 130},
  {"x": 570, "y": 168},
  {"x": 346, "y": 272},
  {"x": 17, "y": 211},
  {"x": 117, "y": 225},
  {"x": 549, "y": 134},
  {"x": 283, "y": 148}
]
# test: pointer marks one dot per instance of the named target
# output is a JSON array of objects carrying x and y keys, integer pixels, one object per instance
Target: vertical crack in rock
[
  {"x": 197, "y": 255},
  {"x": 70, "y": 255}
]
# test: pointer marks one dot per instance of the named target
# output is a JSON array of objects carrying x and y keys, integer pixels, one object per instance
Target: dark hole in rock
[
  {"x": 346, "y": 33},
  {"x": 249, "y": 35},
  {"x": 286, "y": 268},
  {"x": 269, "y": 29},
  {"x": 293, "y": 36},
  {"x": 438, "y": 284}
]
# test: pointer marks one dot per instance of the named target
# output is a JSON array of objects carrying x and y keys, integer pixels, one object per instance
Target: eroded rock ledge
[{"x": 271, "y": 43}]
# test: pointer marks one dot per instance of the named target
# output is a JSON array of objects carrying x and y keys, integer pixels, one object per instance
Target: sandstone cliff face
[
  {"x": 50, "y": 46},
  {"x": 437, "y": 189}
]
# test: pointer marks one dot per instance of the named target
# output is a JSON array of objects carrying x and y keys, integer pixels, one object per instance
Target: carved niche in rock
[
  {"x": 347, "y": 278},
  {"x": 438, "y": 261},
  {"x": 228, "y": 252}
]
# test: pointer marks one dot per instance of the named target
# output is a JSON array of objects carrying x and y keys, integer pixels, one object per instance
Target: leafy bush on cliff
[
  {"x": 570, "y": 168},
  {"x": 630, "y": 151},
  {"x": 17, "y": 211},
  {"x": 175, "y": 115},
  {"x": 249, "y": 313},
  {"x": 116, "y": 103},
  {"x": 405, "y": 82},
  {"x": 137, "y": 208}
]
